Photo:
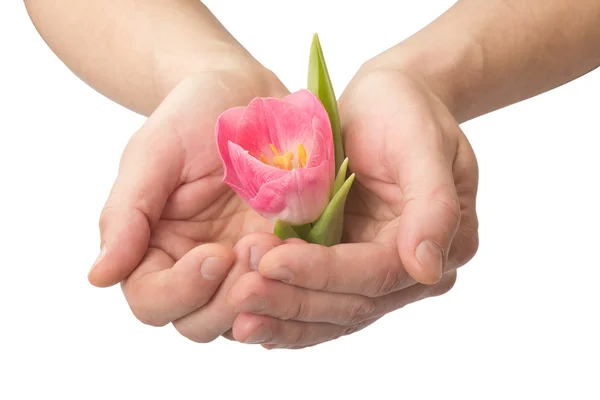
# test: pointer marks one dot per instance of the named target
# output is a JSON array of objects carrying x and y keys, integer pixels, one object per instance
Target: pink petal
[
  {"x": 253, "y": 132},
  {"x": 311, "y": 105},
  {"x": 225, "y": 130},
  {"x": 299, "y": 197},
  {"x": 272, "y": 121},
  {"x": 322, "y": 147},
  {"x": 249, "y": 174}
]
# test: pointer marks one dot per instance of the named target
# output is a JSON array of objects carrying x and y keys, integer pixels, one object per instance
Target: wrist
[
  {"x": 451, "y": 69},
  {"x": 170, "y": 69}
]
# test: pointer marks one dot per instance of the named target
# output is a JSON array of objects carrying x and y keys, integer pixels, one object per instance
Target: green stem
[{"x": 319, "y": 83}]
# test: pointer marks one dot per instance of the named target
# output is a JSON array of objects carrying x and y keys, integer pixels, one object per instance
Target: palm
[
  {"x": 376, "y": 202},
  {"x": 201, "y": 208}
]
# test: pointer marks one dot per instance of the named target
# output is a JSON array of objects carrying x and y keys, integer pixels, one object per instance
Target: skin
[{"x": 412, "y": 208}]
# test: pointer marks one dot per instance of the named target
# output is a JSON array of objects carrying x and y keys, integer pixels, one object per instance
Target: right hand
[
  {"x": 410, "y": 222},
  {"x": 170, "y": 224}
]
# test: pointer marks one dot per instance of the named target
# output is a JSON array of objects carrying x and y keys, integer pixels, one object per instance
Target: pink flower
[{"x": 278, "y": 156}]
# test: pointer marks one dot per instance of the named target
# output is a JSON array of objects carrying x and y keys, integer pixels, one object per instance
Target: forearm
[
  {"x": 135, "y": 52},
  {"x": 482, "y": 55}
]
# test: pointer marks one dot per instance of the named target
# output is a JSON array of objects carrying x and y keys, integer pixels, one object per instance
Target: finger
[
  {"x": 149, "y": 171},
  {"x": 466, "y": 173},
  {"x": 256, "y": 295},
  {"x": 216, "y": 317},
  {"x": 277, "y": 333},
  {"x": 420, "y": 157},
  {"x": 369, "y": 269},
  {"x": 160, "y": 291},
  {"x": 255, "y": 329}
]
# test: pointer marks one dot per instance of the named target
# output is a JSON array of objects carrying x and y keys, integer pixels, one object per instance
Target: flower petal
[
  {"x": 323, "y": 146},
  {"x": 249, "y": 174},
  {"x": 311, "y": 105},
  {"x": 253, "y": 132},
  {"x": 323, "y": 151},
  {"x": 299, "y": 197},
  {"x": 272, "y": 121},
  {"x": 225, "y": 131}
]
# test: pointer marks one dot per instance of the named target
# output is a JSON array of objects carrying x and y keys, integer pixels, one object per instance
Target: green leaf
[
  {"x": 320, "y": 85},
  {"x": 327, "y": 231},
  {"x": 340, "y": 178},
  {"x": 302, "y": 230},
  {"x": 283, "y": 230}
]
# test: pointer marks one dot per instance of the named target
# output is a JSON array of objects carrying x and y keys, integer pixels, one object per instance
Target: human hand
[
  {"x": 169, "y": 224},
  {"x": 410, "y": 222}
]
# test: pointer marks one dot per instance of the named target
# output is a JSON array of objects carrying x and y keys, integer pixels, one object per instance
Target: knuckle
[
  {"x": 392, "y": 278},
  {"x": 324, "y": 274},
  {"x": 358, "y": 312},
  {"x": 444, "y": 286},
  {"x": 471, "y": 247},
  {"x": 194, "y": 334},
  {"x": 299, "y": 336},
  {"x": 144, "y": 310},
  {"x": 467, "y": 246},
  {"x": 447, "y": 199},
  {"x": 148, "y": 317},
  {"x": 291, "y": 312},
  {"x": 298, "y": 310},
  {"x": 349, "y": 330}
]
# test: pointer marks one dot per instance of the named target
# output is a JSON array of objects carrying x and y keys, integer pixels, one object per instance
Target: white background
[{"x": 521, "y": 323}]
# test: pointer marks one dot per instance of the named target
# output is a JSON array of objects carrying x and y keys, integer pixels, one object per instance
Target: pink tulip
[{"x": 278, "y": 156}]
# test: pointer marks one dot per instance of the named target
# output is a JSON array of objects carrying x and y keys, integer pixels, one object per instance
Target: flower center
[{"x": 285, "y": 161}]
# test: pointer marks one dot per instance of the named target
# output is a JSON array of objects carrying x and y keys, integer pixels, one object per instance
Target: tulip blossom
[{"x": 278, "y": 156}]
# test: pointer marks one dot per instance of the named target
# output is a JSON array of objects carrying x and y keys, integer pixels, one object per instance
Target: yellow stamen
[
  {"x": 288, "y": 157},
  {"x": 302, "y": 158},
  {"x": 282, "y": 162},
  {"x": 285, "y": 161}
]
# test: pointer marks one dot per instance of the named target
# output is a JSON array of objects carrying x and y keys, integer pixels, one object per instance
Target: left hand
[
  {"x": 172, "y": 232},
  {"x": 410, "y": 222}
]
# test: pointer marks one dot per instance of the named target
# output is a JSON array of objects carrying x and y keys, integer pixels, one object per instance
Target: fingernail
[
  {"x": 214, "y": 268},
  {"x": 279, "y": 274},
  {"x": 256, "y": 254},
  {"x": 431, "y": 257},
  {"x": 253, "y": 303},
  {"x": 261, "y": 335},
  {"x": 98, "y": 259}
]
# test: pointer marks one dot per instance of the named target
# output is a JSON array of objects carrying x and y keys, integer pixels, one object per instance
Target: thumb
[
  {"x": 148, "y": 173},
  {"x": 431, "y": 208}
]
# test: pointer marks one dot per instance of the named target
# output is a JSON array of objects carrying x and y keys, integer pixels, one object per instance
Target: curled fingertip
[
  {"x": 245, "y": 325},
  {"x": 99, "y": 258},
  {"x": 253, "y": 247},
  {"x": 278, "y": 263},
  {"x": 430, "y": 259},
  {"x": 215, "y": 268}
]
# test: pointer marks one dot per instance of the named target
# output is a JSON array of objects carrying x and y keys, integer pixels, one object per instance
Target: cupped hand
[
  {"x": 170, "y": 224},
  {"x": 410, "y": 222}
]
